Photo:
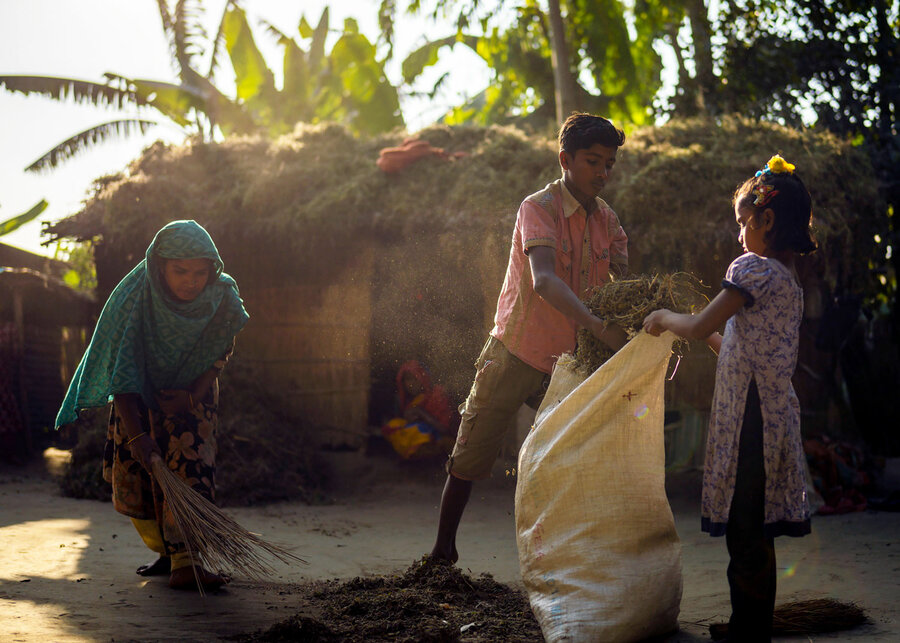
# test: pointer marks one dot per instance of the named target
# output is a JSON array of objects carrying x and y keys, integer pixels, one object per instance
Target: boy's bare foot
[
  {"x": 451, "y": 556},
  {"x": 183, "y": 578},
  {"x": 158, "y": 567}
]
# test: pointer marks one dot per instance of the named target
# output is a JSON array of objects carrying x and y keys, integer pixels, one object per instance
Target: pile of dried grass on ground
[
  {"x": 626, "y": 303},
  {"x": 427, "y": 602}
]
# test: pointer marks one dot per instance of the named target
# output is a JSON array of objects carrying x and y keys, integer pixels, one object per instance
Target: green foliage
[
  {"x": 618, "y": 72},
  {"x": 18, "y": 221},
  {"x": 252, "y": 76},
  {"x": 83, "y": 272},
  {"x": 348, "y": 85},
  {"x": 832, "y": 58}
]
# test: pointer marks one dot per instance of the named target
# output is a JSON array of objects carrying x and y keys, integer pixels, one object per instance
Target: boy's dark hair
[
  {"x": 582, "y": 131},
  {"x": 792, "y": 206}
]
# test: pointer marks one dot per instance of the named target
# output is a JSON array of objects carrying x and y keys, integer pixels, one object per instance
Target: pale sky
[{"x": 83, "y": 39}]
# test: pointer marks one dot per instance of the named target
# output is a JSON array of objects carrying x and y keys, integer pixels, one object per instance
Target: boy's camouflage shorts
[{"x": 502, "y": 384}]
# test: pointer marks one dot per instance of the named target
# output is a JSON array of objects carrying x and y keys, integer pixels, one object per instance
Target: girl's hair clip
[
  {"x": 777, "y": 165},
  {"x": 763, "y": 194}
]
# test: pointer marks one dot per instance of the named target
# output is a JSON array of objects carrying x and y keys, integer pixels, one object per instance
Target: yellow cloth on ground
[{"x": 406, "y": 438}]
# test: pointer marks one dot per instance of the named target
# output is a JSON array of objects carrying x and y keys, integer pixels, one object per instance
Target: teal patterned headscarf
[{"x": 145, "y": 339}]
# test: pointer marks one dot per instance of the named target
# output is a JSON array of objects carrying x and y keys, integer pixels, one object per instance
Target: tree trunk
[
  {"x": 563, "y": 78},
  {"x": 700, "y": 33},
  {"x": 684, "y": 100}
]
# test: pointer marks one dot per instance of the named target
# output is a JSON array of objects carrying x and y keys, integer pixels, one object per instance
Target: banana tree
[
  {"x": 347, "y": 85},
  {"x": 19, "y": 220},
  {"x": 195, "y": 104}
]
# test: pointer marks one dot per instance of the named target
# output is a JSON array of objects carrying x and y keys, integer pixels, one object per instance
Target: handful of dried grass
[
  {"x": 219, "y": 540},
  {"x": 626, "y": 303}
]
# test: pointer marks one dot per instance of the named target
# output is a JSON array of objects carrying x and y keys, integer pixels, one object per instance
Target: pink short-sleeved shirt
[{"x": 529, "y": 327}]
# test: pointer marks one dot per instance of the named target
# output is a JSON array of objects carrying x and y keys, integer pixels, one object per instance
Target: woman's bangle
[{"x": 135, "y": 438}]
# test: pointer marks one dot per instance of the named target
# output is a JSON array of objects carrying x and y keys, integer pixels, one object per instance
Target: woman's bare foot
[
  {"x": 184, "y": 578},
  {"x": 158, "y": 567}
]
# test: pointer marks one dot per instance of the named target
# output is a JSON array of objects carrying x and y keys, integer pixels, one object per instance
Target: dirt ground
[{"x": 67, "y": 566}]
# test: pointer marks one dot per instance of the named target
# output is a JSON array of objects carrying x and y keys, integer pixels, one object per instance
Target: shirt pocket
[
  {"x": 564, "y": 260},
  {"x": 600, "y": 268}
]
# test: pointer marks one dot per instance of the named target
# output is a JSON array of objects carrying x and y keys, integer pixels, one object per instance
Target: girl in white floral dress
[{"x": 753, "y": 482}]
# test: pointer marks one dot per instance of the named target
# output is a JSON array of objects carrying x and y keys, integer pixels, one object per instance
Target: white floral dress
[{"x": 760, "y": 342}]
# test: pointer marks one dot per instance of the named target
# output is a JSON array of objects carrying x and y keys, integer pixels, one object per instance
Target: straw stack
[
  {"x": 626, "y": 303},
  {"x": 216, "y": 538}
]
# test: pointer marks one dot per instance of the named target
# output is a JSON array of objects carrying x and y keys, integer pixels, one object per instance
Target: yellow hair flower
[{"x": 778, "y": 165}]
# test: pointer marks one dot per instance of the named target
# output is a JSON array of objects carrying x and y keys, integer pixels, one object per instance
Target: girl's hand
[
  {"x": 144, "y": 449},
  {"x": 654, "y": 323},
  {"x": 174, "y": 401}
]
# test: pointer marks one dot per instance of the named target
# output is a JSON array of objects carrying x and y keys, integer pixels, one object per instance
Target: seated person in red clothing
[{"x": 423, "y": 425}]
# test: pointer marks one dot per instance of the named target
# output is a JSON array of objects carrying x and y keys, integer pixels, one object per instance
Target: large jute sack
[{"x": 599, "y": 554}]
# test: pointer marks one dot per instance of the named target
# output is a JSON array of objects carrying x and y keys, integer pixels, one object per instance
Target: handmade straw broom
[
  {"x": 815, "y": 616},
  {"x": 217, "y": 538}
]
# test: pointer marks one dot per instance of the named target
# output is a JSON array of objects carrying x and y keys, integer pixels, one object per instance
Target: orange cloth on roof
[{"x": 394, "y": 159}]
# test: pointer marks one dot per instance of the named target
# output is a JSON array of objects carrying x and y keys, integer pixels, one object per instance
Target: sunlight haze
[{"x": 85, "y": 39}]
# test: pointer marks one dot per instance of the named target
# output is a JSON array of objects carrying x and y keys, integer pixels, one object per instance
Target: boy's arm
[{"x": 555, "y": 292}]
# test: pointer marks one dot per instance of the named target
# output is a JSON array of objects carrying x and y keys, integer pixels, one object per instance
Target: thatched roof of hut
[
  {"x": 673, "y": 187},
  {"x": 313, "y": 194},
  {"x": 317, "y": 193}
]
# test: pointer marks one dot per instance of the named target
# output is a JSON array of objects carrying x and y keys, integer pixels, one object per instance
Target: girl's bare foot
[
  {"x": 184, "y": 578},
  {"x": 158, "y": 567}
]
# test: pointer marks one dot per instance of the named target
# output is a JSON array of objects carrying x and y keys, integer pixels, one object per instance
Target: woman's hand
[
  {"x": 654, "y": 323},
  {"x": 144, "y": 449},
  {"x": 174, "y": 401}
]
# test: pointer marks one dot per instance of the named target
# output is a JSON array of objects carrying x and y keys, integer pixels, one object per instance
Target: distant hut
[
  {"x": 44, "y": 326},
  {"x": 347, "y": 270}
]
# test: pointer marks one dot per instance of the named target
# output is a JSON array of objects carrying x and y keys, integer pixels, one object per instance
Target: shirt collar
[{"x": 569, "y": 203}]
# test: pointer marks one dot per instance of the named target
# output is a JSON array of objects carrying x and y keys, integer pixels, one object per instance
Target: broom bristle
[
  {"x": 816, "y": 616},
  {"x": 218, "y": 539}
]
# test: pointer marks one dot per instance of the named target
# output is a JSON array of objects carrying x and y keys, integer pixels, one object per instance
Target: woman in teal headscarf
[{"x": 163, "y": 336}]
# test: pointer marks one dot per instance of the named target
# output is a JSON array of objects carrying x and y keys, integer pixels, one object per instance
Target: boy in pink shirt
[{"x": 566, "y": 241}]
